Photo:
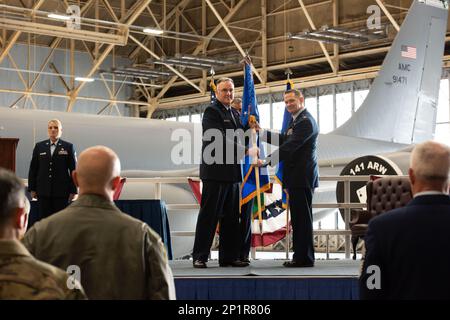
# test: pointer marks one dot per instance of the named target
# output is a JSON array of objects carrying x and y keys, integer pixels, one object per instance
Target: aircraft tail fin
[{"x": 401, "y": 105}]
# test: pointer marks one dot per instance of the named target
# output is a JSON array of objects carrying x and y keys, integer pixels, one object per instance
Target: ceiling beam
[
  {"x": 335, "y": 24},
  {"x": 264, "y": 39},
  {"x": 154, "y": 55},
  {"x": 275, "y": 12},
  {"x": 280, "y": 85},
  {"x": 118, "y": 38},
  {"x": 12, "y": 40},
  {"x": 230, "y": 34},
  {"x": 130, "y": 17},
  {"x": 179, "y": 6},
  {"x": 182, "y": 15},
  {"x": 110, "y": 10},
  {"x": 47, "y": 59},
  {"x": 295, "y": 64},
  {"x": 322, "y": 46},
  {"x": 388, "y": 14},
  {"x": 203, "y": 44},
  {"x": 64, "y": 96}
]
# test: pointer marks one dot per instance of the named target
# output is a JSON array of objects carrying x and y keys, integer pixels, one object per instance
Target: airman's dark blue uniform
[
  {"x": 50, "y": 175},
  {"x": 300, "y": 176},
  {"x": 220, "y": 194}
]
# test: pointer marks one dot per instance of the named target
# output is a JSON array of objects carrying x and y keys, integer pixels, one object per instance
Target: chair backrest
[
  {"x": 195, "y": 187},
  {"x": 119, "y": 189},
  {"x": 387, "y": 193}
]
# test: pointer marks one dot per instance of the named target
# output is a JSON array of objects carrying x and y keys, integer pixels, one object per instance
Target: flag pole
[
  {"x": 258, "y": 187},
  {"x": 288, "y": 73},
  {"x": 252, "y": 119},
  {"x": 288, "y": 209}
]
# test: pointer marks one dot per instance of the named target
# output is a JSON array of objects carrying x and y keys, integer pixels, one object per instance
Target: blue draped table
[{"x": 152, "y": 212}]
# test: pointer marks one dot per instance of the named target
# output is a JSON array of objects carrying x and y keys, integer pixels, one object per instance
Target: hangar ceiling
[{"x": 169, "y": 70}]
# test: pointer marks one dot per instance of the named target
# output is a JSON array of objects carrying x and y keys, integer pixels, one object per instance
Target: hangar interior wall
[{"x": 28, "y": 59}]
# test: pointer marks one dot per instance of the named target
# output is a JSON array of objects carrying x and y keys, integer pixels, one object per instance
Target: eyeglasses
[{"x": 53, "y": 127}]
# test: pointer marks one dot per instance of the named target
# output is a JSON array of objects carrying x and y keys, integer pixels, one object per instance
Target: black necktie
[
  {"x": 291, "y": 123},
  {"x": 232, "y": 116}
]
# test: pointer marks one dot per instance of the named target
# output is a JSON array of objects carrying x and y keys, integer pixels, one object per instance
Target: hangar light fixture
[
  {"x": 58, "y": 16},
  {"x": 138, "y": 72},
  {"x": 110, "y": 32},
  {"x": 55, "y": 24},
  {"x": 153, "y": 31},
  {"x": 67, "y": 76},
  {"x": 204, "y": 60},
  {"x": 190, "y": 61},
  {"x": 147, "y": 71},
  {"x": 316, "y": 36},
  {"x": 83, "y": 79},
  {"x": 337, "y": 35},
  {"x": 131, "y": 74},
  {"x": 359, "y": 35},
  {"x": 172, "y": 62}
]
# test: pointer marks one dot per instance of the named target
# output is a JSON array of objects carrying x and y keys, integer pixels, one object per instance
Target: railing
[{"x": 346, "y": 205}]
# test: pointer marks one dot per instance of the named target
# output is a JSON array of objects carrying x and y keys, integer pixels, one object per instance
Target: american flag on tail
[{"x": 409, "y": 52}]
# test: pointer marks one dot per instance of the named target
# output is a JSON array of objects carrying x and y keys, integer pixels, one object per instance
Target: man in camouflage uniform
[
  {"x": 119, "y": 257},
  {"x": 21, "y": 275}
]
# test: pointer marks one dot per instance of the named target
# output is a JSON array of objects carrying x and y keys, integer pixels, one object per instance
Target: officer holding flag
[{"x": 297, "y": 149}]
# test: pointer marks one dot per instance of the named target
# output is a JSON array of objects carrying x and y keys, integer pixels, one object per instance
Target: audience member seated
[
  {"x": 407, "y": 248},
  {"x": 119, "y": 257},
  {"x": 383, "y": 194},
  {"x": 21, "y": 275}
]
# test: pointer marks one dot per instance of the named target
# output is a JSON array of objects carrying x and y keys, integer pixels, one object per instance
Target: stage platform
[{"x": 267, "y": 280}]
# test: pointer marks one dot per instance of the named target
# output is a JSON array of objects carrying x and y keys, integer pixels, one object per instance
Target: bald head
[
  {"x": 98, "y": 171},
  {"x": 430, "y": 166}
]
